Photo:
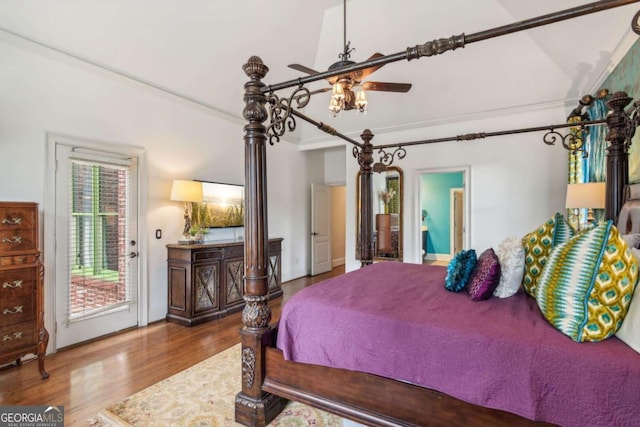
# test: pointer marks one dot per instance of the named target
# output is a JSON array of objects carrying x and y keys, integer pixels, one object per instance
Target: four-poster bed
[{"x": 267, "y": 378}]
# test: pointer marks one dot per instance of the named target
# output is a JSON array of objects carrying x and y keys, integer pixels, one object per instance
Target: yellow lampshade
[
  {"x": 186, "y": 191},
  {"x": 587, "y": 195}
]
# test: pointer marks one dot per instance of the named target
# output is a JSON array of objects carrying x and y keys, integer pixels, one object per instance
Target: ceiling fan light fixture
[
  {"x": 337, "y": 102},
  {"x": 335, "y": 106},
  {"x": 338, "y": 91},
  {"x": 345, "y": 85},
  {"x": 361, "y": 101}
]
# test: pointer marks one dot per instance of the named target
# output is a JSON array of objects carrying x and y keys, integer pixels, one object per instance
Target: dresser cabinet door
[
  {"x": 206, "y": 287},
  {"x": 235, "y": 282},
  {"x": 274, "y": 272}
]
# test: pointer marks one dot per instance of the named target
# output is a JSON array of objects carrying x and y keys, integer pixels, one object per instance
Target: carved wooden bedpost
[
  {"x": 617, "y": 154},
  {"x": 365, "y": 160},
  {"x": 253, "y": 406}
]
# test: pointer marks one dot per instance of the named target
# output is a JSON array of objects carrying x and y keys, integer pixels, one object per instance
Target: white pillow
[
  {"x": 629, "y": 331},
  {"x": 511, "y": 256},
  {"x": 633, "y": 240}
]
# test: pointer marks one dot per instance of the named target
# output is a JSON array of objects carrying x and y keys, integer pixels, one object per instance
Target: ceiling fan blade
[
  {"x": 363, "y": 74},
  {"x": 302, "y": 68},
  {"x": 313, "y": 92},
  {"x": 386, "y": 87}
]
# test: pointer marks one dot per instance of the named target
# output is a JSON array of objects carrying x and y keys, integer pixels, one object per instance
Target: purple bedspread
[{"x": 397, "y": 320}]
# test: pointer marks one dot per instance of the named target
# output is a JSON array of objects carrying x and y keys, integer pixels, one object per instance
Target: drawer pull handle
[
  {"x": 16, "y": 220},
  {"x": 15, "y": 240},
  {"x": 16, "y": 336},
  {"x": 17, "y": 309},
  {"x": 16, "y": 284}
]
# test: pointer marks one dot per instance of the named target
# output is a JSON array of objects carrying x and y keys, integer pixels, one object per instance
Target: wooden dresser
[
  {"x": 206, "y": 281},
  {"x": 22, "y": 328}
]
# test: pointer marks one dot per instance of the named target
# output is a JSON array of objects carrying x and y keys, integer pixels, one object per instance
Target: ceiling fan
[{"x": 343, "y": 96}]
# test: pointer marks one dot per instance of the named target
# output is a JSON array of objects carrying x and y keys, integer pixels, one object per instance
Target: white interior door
[
  {"x": 320, "y": 228},
  {"x": 96, "y": 256}
]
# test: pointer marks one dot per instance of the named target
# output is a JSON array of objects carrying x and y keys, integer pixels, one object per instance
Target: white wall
[
  {"x": 290, "y": 175},
  {"x": 42, "y": 93},
  {"x": 516, "y": 182},
  {"x": 335, "y": 165}
]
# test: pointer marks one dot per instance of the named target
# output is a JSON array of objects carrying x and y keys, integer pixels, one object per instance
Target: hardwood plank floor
[{"x": 88, "y": 377}]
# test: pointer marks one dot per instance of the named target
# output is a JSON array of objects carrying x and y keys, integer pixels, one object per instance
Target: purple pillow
[{"x": 485, "y": 276}]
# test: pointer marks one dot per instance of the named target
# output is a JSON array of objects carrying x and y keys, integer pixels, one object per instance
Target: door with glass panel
[{"x": 96, "y": 243}]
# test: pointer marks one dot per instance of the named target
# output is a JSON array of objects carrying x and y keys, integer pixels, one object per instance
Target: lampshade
[
  {"x": 186, "y": 191},
  {"x": 587, "y": 195}
]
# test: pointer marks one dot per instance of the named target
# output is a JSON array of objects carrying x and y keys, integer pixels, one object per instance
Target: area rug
[{"x": 200, "y": 396}]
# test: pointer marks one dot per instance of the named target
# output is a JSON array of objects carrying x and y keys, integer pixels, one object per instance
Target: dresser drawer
[
  {"x": 6, "y": 261},
  {"x": 234, "y": 251},
  {"x": 18, "y": 336},
  {"x": 17, "y": 218},
  {"x": 17, "y": 282},
  {"x": 203, "y": 255},
  {"x": 17, "y": 240},
  {"x": 16, "y": 310}
]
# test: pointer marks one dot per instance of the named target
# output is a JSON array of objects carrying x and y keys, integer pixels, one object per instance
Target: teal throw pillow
[{"x": 459, "y": 270}]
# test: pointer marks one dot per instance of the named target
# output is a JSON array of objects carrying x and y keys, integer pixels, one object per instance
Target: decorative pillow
[
  {"x": 459, "y": 270},
  {"x": 629, "y": 331},
  {"x": 537, "y": 246},
  {"x": 586, "y": 286},
  {"x": 485, "y": 276},
  {"x": 633, "y": 240},
  {"x": 511, "y": 257}
]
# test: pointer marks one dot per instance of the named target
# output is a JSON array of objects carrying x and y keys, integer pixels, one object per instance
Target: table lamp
[
  {"x": 589, "y": 195},
  {"x": 187, "y": 192}
]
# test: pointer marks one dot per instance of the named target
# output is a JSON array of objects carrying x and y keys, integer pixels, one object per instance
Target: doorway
[
  {"x": 444, "y": 213},
  {"x": 96, "y": 258},
  {"x": 328, "y": 227}
]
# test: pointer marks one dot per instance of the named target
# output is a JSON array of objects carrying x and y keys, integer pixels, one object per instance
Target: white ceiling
[{"x": 194, "y": 50}]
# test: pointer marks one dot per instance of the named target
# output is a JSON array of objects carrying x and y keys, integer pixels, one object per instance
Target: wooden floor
[{"x": 86, "y": 378}]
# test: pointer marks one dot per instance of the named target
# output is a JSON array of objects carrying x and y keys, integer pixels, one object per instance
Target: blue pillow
[{"x": 459, "y": 270}]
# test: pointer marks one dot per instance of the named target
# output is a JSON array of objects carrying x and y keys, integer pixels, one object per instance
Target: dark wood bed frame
[{"x": 267, "y": 379}]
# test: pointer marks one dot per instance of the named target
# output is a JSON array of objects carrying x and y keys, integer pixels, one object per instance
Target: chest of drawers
[{"x": 22, "y": 328}]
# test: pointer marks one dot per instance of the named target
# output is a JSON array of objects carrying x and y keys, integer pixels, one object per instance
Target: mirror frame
[{"x": 376, "y": 200}]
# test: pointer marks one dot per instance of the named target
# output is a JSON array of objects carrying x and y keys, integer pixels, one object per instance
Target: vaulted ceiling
[{"x": 194, "y": 51}]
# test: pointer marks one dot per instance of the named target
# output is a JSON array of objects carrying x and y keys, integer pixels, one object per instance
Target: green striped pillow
[
  {"x": 537, "y": 246},
  {"x": 587, "y": 284}
]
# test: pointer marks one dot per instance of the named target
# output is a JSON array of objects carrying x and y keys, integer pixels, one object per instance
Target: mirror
[{"x": 387, "y": 201}]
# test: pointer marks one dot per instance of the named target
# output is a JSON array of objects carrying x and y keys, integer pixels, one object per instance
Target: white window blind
[{"x": 99, "y": 265}]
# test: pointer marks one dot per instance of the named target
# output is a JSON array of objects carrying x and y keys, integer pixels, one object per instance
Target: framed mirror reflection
[{"x": 386, "y": 208}]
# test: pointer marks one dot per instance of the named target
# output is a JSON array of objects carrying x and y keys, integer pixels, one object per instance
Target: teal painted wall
[
  {"x": 626, "y": 77},
  {"x": 435, "y": 193}
]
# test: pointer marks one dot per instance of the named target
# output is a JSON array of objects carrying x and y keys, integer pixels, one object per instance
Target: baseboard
[
  {"x": 155, "y": 315},
  {"x": 288, "y": 275},
  {"x": 438, "y": 257},
  {"x": 338, "y": 261}
]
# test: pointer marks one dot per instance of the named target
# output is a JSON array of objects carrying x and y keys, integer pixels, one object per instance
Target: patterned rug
[{"x": 201, "y": 396}]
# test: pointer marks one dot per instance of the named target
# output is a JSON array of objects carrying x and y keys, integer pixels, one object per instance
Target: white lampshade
[
  {"x": 186, "y": 191},
  {"x": 587, "y": 195}
]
